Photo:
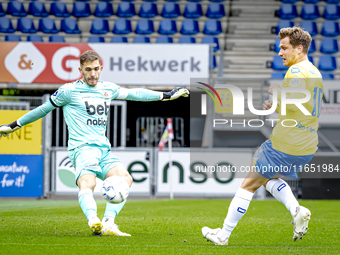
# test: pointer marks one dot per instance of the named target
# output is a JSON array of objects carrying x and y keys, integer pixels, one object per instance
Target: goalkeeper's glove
[
  {"x": 175, "y": 93},
  {"x": 5, "y": 130}
]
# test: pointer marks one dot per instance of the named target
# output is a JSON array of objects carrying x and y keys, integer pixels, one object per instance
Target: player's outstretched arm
[{"x": 175, "y": 93}]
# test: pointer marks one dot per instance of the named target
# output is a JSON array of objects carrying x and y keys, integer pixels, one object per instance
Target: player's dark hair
[
  {"x": 297, "y": 36},
  {"x": 89, "y": 56}
]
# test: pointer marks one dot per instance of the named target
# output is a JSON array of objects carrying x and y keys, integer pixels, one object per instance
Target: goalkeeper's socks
[
  {"x": 87, "y": 202},
  {"x": 112, "y": 210},
  {"x": 283, "y": 193},
  {"x": 237, "y": 208}
]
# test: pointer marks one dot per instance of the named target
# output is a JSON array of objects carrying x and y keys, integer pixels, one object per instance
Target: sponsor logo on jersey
[
  {"x": 106, "y": 95},
  {"x": 295, "y": 70},
  {"x": 99, "y": 109}
]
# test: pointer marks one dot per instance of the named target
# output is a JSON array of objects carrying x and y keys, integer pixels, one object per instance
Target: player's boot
[
  {"x": 211, "y": 235},
  {"x": 300, "y": 223},
  {"x": 111, "y": 229},
  {"x": 95, "y": 225}
]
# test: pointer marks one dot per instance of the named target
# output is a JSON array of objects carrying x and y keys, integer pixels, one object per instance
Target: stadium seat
[
  {"x": 16, "y": 9},
  {"x": 277, "y": 75},
  {"x": 288, "y": 1},
  {"x": 12, "y": 38},
  {"x": 331, "y": 12},
  {"x": 215, "y": 11},
  {"x": 144, "y": 27},
  {"x": 311, "y": 59},
  {"x": 329, "y": 46},
  {"x": 99, "y": 26},
  {"x": 148, "y": 10},
  {"x": 37, "y": 9},
  {"x": 310, "y": 27},
  {"x": 213, "y": 64},
  {"x": 332, "y": 1},
  {"x": 167, "y": 27},
  {"x": 327, "y": 76},
  {"x": 26, "y": 25},
  {"x": 187, "y": 39},
  {"x": 312, "y": 47},
  {"x": 35, "y": 38},
  {"x": 126, "y": 10},
  {"x": 47, "y": 26},
  {"x": 282, "y": 24},
  {"x": 96, "y": 39},
  {"x": 81, "y": 10},
  {"x": 103, "y": 10},
  {"x": 6, "y": 25},
  {"x": 193, "y": 11},
  {"x": 312, "y": 1},
  {"x": 310, "y": 12},
  {"x": 128, "y": 0},
  {"x": 172, "y": 0},
  {"x": 119, "y": 39},
  {"x": 164, "y": 39},
  {"x": 217, "y": 1},
  {"x": 59, "y": 9},
  {"x": 141, "y": 39},
  {"x": 189, "y": 27},
  {"x": 287, "y": 11},
  {"x": 170, "y": 10},
  {"x": 276, "y": 47},
  {"x": 56, "y": 39},
  {"x": 277, "y": 64},
  {"x": 330, "y": 29},
  {"x": 212, "y": 27},
  {"x": 327, "y": 63},
  {"x": 211, "y": 40},
  {"x": 122, "y": 27},
  {"x": 69, "y": 26},
  {"x": 2, "y": 12}
]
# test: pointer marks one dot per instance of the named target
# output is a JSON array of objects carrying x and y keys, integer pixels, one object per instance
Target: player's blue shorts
[
  {"x": 269, "y": 162},
  {"x": 92, "y": 159}
]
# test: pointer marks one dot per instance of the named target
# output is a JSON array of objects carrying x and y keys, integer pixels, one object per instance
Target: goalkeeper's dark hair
[{"x": 89, "y": 56}]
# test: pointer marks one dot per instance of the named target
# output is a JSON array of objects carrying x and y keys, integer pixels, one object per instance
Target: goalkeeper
[{"x": 86, "y": 104}]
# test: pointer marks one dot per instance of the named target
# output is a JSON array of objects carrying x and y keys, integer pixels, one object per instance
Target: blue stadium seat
[
  {"x": 164, "y": 39},
  {"x": 56, "y": 39},
  {"x": 212, "y": 27},
  {"x": 96, "y": 39},
  {"x": 187, "y": 39},
  {"x": 128, "y": 0},
  {"x": 119, "y": 39},
  {"x": 16, "y": 9},
  {"x": 81, "y": 10},
  {"x": 277, "y": 75},
  {"x": 26, "y": 25},
  {"x": 144, "y": 27},
  {"x": 189, "y": 27},
  {"x": 277, "y": 45},
  {"x": 217, "y": 1},
  {"x": 330, "y": 29},
  {"x": 47, "y": 26},
  {"x": 193, "y": 11},
  {"x": 312, "y": 47},
  {"x": 148, "y": 10},
  {"x": 2, "y": 12},
  {"x": 172, "y": 0},
  {"x": 327, "y": 63},
  {"x": 126, "y": 10},
  {"x": 103, "y": 10},
  {"x": 331, "y": 12},
  {"x": 213, "y": 65},
  {"x": 312, "y": 1},
  {"x": 327, "y": 76},
  {"x": 99, "y": 26},
  {"x": 170, "y": 10},
  {"x": 59, "y": 9},
  {"x": 35, "y": 38},
  {"x": 37, "y": 9},
  {"x": 141, "y": 39},
  {"x": 167, "y": 27},
  {"x": 311, "y": 59},
  {"x": 310, "y": 27},
  {"x": 329, "y": 46},
  {"x": 310, "y": 12},
  {"x": 6, "y": 25},
  {"x": 282, "y": 24},
  {"x": 122, "y": 27},
  {"x": 215, "y": 11},
  {"x": 289, "y": 1},
  {"x": 194, "y": 0},
  {"x": 69, "y": 26},
  {"x": 150, "y": 0},
  {"x": 287, "y": 11},
  {"x": 332, "y": 1},
  {"x": 277, "y": 64},
  {"x": 12, "y": 38},
  {"x": 211, "y": 40}
]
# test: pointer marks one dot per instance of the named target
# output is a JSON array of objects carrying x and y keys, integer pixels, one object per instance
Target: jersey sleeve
[
  {"x": 61, "y": 97},
  {"x": 138, "y": 94},
  {"x": 36, "y": 114}
]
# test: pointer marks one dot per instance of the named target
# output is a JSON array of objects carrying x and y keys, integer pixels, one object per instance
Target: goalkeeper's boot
[
  {"x": 211, "y": 235},
  {"x": 95, "y": 225},
  {"x": 111, "y": 229},
  {"x": 300, "y": 223}
]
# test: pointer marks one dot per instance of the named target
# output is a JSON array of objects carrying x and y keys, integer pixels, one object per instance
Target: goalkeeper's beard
[{"x": 87, "y": 82}]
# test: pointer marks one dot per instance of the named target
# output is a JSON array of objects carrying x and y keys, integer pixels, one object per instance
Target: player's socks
[
  {"x": 237, "y": 208},
  {"x": 112, "y": 210},
  {"x": 283, "y": 193},
  {"x": 87, "y": 203}
]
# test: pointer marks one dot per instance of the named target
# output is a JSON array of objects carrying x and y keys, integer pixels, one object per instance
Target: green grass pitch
[{"x": 164, "y": 227}]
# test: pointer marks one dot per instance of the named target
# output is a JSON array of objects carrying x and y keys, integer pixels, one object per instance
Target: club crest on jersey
[{"x": 106, "y": 95}]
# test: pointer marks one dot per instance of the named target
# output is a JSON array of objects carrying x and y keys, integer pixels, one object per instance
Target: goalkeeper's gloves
[
  {"x": 5, "y": 130},
  {"x": 175, "y": 93}
]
